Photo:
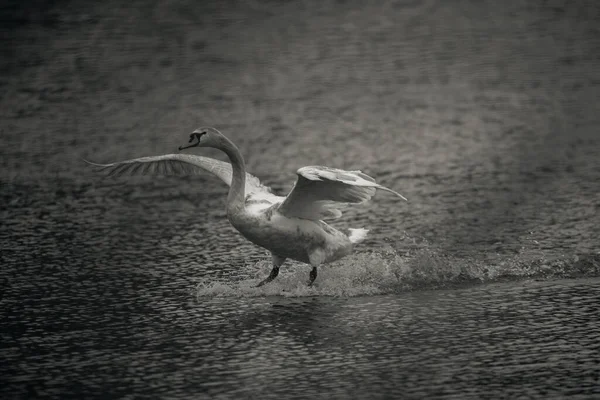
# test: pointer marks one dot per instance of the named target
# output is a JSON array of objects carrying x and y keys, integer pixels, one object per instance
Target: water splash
[{"x": 389, "y": 271}]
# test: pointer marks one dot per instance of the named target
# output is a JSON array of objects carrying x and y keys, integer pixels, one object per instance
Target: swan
[{"x": 289, "y": 227}]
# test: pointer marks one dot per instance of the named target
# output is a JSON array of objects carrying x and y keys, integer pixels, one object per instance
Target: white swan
[{"x": 289, "y": 227}]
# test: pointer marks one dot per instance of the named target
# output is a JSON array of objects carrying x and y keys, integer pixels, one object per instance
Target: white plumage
[{"x": 289, "y": 227}]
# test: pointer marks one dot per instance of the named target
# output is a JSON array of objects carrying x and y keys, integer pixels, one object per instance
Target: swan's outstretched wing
[
  {"x": 319, "y": 192},
  {"x": 181, "y": 164}
]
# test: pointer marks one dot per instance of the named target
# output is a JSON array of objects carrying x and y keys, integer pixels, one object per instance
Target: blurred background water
[{"x": 484, "y": 114}]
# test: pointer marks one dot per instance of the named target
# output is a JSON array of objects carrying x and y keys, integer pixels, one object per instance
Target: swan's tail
[{"x": 357, "y": 235}]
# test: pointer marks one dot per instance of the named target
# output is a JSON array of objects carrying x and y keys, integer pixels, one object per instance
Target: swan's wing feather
[
  {"x": 320, "y": 192},
  {"x": 180, "y": 164}
]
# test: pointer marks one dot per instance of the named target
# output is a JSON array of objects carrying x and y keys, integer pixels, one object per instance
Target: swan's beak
[
  {"x": 188, "y": 146},
  {"x": 193, "y": 136}
]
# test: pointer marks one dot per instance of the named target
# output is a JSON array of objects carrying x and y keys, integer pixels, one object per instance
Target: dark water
[
  {"x": 486, "y": 284},
  {"x": 505, "y": 340}
]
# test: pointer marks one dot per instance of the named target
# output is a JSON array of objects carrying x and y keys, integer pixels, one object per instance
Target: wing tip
[
  {"x": 95, "y": 164},
  {"x": 392, "y": 191}
]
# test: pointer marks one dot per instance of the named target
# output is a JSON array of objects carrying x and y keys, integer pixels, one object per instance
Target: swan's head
[{"x": 205, "y": 137}]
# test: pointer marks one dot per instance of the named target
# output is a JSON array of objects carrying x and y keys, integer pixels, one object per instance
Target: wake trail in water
[{"x": 389, "y": 271}]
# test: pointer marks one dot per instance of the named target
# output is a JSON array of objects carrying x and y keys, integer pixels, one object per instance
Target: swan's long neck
[{"x": 236, "y": 196}]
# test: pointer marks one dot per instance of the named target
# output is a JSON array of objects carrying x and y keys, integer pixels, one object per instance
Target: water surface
[{"x": 484, "y": 285}]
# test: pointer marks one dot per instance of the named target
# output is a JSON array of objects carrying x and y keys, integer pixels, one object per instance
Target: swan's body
[
  {"x": 295, "y": 238},
  {"x": 289, "y": 227}
]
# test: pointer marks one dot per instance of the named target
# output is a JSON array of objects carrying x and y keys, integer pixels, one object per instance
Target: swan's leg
[
  {"x": 316, "y": 258},
  {"x": 277, "y": 262},
  {"x": 312, "y": 276}
]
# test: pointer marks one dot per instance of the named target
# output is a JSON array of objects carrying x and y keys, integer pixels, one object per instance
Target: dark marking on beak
[{"x": 194, "y": 135}]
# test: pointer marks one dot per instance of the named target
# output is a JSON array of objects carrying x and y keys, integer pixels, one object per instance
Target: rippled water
[
  {"x": 100, "y": 329},
  {"x": 486, "y": 284}
]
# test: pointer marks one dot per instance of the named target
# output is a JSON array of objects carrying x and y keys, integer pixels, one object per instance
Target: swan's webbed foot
[
  {"x": 272, "y": 275},
  {"x": 312, "y": 276}
]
